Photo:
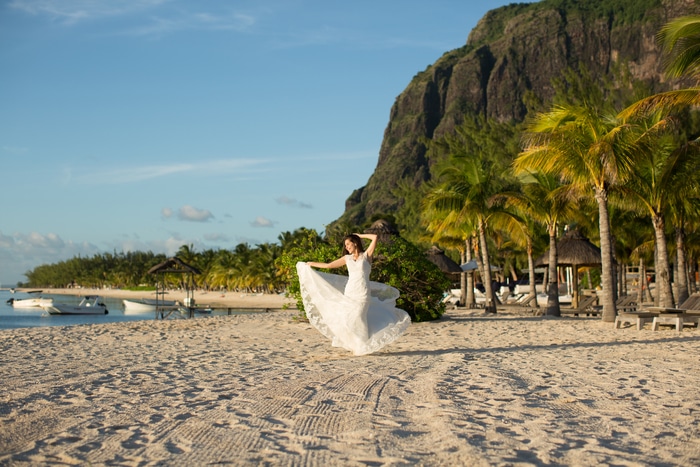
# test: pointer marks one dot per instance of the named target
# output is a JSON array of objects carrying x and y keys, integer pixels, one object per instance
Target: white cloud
[
  {"x": 157, "y": 17},
  {"x": 263, "y": 222},
  {"x": 74, "y": 11},
  {"x": 216, "y": 237},
  {"x": 143, "y": 173},
  {"x": 22, "y": 252},
  {"x": 285, "y": 200},
  {"x": 192, "y": 214},
  {"x": 188, "y": 21},
  {"x": 168, "y": 246}
]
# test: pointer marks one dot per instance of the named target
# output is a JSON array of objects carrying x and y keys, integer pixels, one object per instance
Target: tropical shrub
[{"x": 397, "y": 262}]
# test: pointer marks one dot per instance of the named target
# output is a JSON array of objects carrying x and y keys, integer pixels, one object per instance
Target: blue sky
[{"x": 149, "y": 124}]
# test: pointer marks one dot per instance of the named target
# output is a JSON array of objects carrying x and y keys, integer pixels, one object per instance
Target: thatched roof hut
[
  {"x": 573, "y": 250},
  {"x": 174, "y": 265},
  {"x": 438, "y": 257},
  {"x": 383, "y": 229}
]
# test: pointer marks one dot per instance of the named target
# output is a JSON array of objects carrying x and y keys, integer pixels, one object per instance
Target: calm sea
[{"x": 11, "y": 317}]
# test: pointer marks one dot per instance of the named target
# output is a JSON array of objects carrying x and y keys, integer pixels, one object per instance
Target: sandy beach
[{"x": 265, "y": 389}]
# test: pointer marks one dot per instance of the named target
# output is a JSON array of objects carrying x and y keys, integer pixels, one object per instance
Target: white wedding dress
[{"x": 353, "y": 312}]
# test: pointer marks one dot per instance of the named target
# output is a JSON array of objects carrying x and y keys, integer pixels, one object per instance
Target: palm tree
[
  {"x": 663, "y": 178},
  {"x": 448, "y": 232},
  {"x": 462, "y": 197},
  {"x": 539, "y": 201},
  {"x": 680, "y": 42},
  {"x": 542, "y": 199},
  {"x": 469, "y": 177},
  {"x": 684, "y": 212},
  {"x": 633, "y": 234},
  {"x": 592, "y": 152},
  {"x": 223, "y": 270}
]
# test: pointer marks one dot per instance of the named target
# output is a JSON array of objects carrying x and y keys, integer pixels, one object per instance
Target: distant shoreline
[{"x": 202, "y": 298}]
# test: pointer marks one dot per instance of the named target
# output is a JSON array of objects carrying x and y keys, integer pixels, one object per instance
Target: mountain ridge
[{"x": 509, "y": 61}]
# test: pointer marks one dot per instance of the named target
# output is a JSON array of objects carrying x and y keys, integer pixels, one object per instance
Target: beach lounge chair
[
  {"x": 636, "y": 318},
  {"x": 585, "y": 305},
  {"x": 687, "y": 314},
  {"x": 627, "y": 313},
  {"x": 522, "y": 302},
  {"x": 527, "y": 300},
  {"x": 626, "y": 303}
]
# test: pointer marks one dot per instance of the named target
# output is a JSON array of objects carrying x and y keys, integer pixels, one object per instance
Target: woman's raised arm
[{"x": 369, "y": 251}]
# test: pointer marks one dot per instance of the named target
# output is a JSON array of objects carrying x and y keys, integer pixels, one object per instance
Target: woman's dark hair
[{"x": 354, "y": 239}]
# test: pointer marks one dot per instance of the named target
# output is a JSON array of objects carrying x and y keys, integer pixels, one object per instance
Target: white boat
[
  {"x": 148, "y": 305},
  {"x": 33, "y": 302},
  {"x": 89, "y": 305},
  {"x": 30, "y": 302}
]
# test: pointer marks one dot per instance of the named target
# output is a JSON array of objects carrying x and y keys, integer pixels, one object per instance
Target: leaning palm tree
[{"x": 592, "y": 152}]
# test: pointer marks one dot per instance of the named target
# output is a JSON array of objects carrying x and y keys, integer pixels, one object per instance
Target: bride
[{"x": 357, "y": 314}]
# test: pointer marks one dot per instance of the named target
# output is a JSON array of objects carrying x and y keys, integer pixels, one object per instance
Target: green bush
[
  {"x": 397, "y": 262},
  {"x": 403, "y": 265}
]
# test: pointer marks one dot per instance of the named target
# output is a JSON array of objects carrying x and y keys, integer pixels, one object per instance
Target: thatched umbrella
[
  {"x": 176, "y": 266},
  {"x": 440, "y": 259},
  {"x": 383, "y": 229},
  {"x": 574, "y": 250}
]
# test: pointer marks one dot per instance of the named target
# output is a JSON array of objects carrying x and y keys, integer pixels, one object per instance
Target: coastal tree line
[
  {"x": 244, "y": 268},
  {"x": 615, "y": 162}
]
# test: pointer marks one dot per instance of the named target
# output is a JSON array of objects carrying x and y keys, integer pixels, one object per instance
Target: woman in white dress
[{"x": 355, "y": 313}]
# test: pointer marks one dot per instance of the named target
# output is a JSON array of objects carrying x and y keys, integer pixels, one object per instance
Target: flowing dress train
[{"x": 355, "y": 313}]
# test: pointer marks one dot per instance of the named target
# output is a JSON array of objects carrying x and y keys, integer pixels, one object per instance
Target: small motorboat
[
  {"x": 89, "y": 305},
  {"x": 148, "y": 305},
  {"x": 33, "y": 301}
]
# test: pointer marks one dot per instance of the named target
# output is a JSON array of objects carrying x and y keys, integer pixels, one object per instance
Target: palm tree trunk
[
  {"x": 606, "y": 258},
  {"x": 463, "y": 278},
  {"x": 663, "y": 276},
  {"x": 488, "y": 286},
  {"x": 647, "y": 294},
  {"x": 553, "y": 308},
  {"x": 470, "y": 277},
  {"x": 681, "y": 268},
  {"x": 531, "y": 272},
  {"x": 642, "y": 283}
]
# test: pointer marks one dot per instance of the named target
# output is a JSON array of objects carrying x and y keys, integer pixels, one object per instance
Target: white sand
[{"x": 265, "y": 390}]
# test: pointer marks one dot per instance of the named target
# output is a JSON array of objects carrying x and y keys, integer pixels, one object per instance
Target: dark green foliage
[
  {"x": 307, "y": 246},
  {"x": 401, "y": 264},
  {"x": 622, "y": 11},
  {"x": 122, "y": 270},
  {"x": 494, "y": 24},
  {"x": 397, "y": 262}
]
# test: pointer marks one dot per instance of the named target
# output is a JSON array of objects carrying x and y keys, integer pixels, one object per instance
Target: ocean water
[{"x": 11, "y": 317}]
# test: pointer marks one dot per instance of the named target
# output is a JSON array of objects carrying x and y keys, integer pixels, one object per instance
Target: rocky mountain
[{"x": 510, "y": 58}]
